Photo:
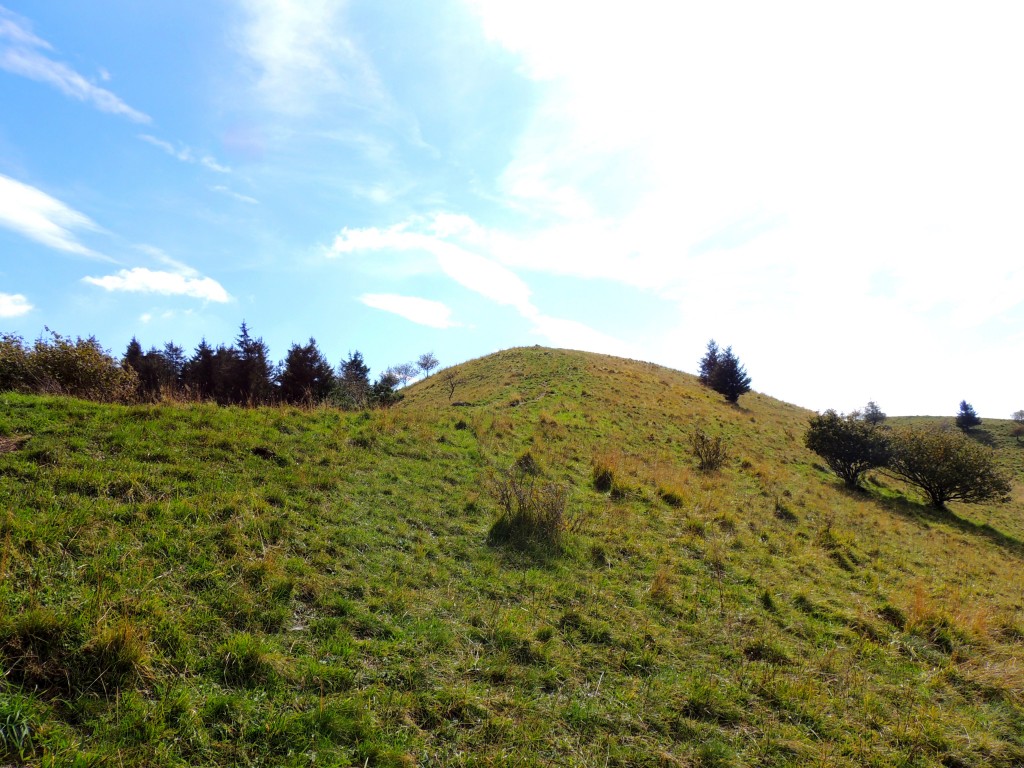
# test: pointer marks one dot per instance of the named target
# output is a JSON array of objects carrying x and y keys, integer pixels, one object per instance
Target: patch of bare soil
[{"x": 11, "y": 444}]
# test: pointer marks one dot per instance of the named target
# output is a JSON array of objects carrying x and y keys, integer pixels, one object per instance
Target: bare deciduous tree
[
  {"x": 427, "y": 362},
  {"x": 451, "y": 380}
]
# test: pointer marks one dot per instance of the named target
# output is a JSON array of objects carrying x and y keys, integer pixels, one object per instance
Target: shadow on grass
[
  {"x": 925, "y": 514},
  {"x": 981, "y": 436}
]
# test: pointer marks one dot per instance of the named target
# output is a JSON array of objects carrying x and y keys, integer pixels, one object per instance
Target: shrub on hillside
[
  {"x": 13, "y": 363},
  {"x": 531, "y": 511},
  {"x": 848, "y": 445},
  {"x": 872, "y": 414},
  {"x": 60, "y": 366},
  {"x": 946, "y": 465},
  {"x": 1018, "y": 425},
  {"x": 709, "y": 451}
]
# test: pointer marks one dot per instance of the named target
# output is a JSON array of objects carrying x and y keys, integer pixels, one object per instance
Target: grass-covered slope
[{"x": 192, "y": 585}]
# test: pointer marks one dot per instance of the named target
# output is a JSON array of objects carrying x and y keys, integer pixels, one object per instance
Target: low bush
[
  {"x": 532, "y": 511},
  {"x": 947, "y": 466},
  {"x": 709, "y": 451},
  {"x": 850, "y": 446},
  {"x": 60, "y": 366}
]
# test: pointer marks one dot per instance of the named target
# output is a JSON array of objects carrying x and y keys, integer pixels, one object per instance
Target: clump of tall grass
[
  {"x": 531, "y": 510},
  {"x": 709, "y": 451},
  {"x": 609, "y": 477}
]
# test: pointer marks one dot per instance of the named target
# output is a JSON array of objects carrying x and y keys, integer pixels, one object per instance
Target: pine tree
[
  {"x": 354, "y": 381},
  {"x": 198, "y": 372},
  {"x": 254, "y": 374},
  {"x": 175, "y": 359},
  {"x": 708, "y": 363},
  {"x": 967, "y": 418},
  {"x": 383, "y": 393},
  {"x": 306, "y": 376},
  {"x": 728, "y": 377}
]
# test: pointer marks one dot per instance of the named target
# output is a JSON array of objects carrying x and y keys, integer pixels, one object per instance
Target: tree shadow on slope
[
  {"x": 925, "y": 515},
  {"x": 981, "y": 436}
]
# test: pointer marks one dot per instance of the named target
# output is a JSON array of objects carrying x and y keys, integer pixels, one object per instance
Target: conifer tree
[
  {"x": 354, "y": 381},
  {"x": 306, "y": 376},
  {"x": 967, "y": 418},
  {"x": 728, "y": 377},
  {"x": 198, "y": 372},
  {"x": 708, "y": 363},
  {"x": 253, "y": 374},
  {"x": 383, "y": 393}
]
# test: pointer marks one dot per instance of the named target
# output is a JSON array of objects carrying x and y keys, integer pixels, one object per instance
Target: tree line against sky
[{"x": 242, "y": 373}]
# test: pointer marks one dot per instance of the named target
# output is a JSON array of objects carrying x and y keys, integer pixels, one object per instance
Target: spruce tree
[
  {"x": 708, "y": 363},
  {"x": 354, "y": 381},
  {"x": 254, "y": 374},
  {"x": 198, "y": 372},
  {"x": 306, "y": 376},
  {"x": 728, "y": 377},
  {"x": 967, "y": 418}
]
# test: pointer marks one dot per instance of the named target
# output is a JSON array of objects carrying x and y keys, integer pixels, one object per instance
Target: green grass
[{"x": 192, "y": 585}]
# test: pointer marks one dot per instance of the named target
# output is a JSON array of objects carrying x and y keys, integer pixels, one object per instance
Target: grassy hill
[{"x": 193, "y": 585}]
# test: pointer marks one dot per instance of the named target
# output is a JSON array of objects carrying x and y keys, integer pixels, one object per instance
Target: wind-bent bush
[
  {"x": 848, "y": 445},
  {"x": 946, "y": 465}
]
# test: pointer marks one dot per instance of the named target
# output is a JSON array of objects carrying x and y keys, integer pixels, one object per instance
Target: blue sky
[{"x": 835, "y": 192}]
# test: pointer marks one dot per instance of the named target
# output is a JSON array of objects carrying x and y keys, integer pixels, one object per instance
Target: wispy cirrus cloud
[
  {"x": 302, "y": 50},
  {"x": 449, "y": 239},
  {"x": 185, "y": 153},
  {"x": 14, "y": 305},
  {"x": 468, "y": 269},
  {"x": 221, "y": 189},
  {"x": 310, "y": 71},
  {"x": 45, "y": 219},
  {"x": 143, "y": 280},
  {"x": 23, "y": 53},
  {"x": 421, "y": 311}
]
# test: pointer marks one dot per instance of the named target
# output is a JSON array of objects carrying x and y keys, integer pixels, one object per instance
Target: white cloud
[
  {"x": 184, "y": 153},
  {"x": 213, "y": 165},
  {"x": 20, "y": 54},
  {"x": 40, "y": 217},
  {"x": 572, "y": 334},
  {"x": 457, "y": 243},
  {"x": 179, "y": 267},
  {"x": 469, "y": 269},
  {"x": 422, "y": 311},
  {"x": 707, "y": 115},
  {"x": 236, "y": 195},
  {"x": 142, "y": 280},
  {"x": 768, "y": 168},
  {"x": 13, "y": 304},
  {"x": 302, "y": 51}
]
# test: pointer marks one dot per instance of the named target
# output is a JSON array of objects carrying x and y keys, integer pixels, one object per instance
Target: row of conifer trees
[{"x": 238, "y": 374}]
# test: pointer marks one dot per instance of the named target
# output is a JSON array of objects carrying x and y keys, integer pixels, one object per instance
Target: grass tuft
[{"x": 531, "y": 513}]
